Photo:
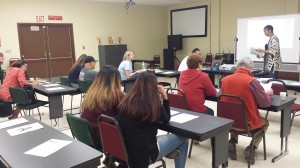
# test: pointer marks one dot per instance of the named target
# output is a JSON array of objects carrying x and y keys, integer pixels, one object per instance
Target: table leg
[
  {"x": 55, "y": 107},
  {"x": 285, "y": 129},
  {"x": 220, "y": 149}
]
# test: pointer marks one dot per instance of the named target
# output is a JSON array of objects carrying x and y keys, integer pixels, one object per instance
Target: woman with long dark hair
[
  {"x": 139, "y": 112},
  {"x": 73, "y": 75}
]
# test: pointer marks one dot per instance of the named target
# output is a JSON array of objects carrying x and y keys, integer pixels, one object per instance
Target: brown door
[{"x": 48, "y": 48}]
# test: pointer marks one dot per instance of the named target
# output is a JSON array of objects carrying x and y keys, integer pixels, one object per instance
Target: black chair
[
  {"x": 164, "y": 84},
  {"x": 21, "y": 98},
  {"x": 233, "y": 107},
  {"x": 65, "y": 81}
]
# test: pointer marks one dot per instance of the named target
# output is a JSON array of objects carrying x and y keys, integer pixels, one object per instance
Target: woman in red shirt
[
  {"x": 15, "y": 77},
  {"x": 196, "y": 85}
]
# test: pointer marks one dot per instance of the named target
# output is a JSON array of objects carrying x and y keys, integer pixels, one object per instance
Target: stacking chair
[
  {"x": 81, "y": 130},
  {"x": 218, "y": 56},
  {"x": 65, "y": 81},
  {"x": 280, "y": 86},
  {"x": 157, "y": 58},
  {"x": 84, "y": 87},
  {"x": 208, "y": 60},
  {"x": 164, "y": 84},
  {"x": 113, "y": 142},
  {"x": 233, "y": 107},
  {"x": 20, "y": 97},
  {"x": 177, "y": 99}
]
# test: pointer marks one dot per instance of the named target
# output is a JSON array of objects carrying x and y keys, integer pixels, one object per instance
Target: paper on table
[
  {"x": 157, "y": 70},
  {"x": 182, "y": 118},
  {"x": 254, "y": 52},
  {"x": 13, "y": 122},
  {"x": 25, "y": 128},
  {"x": 294, "y": 83},
  {"x": 173, "y": 112},
  {"x": 50, "y": 85},
  {"x": 55, "y": 88},
  {"x": 167, "y": 72},
  {"x": 47, "y": 148},
  {"x": 266, "y": 86}
]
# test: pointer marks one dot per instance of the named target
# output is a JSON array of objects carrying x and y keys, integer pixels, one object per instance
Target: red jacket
[
  {"x": 238, "y": 84},
  {"x": 196, "y": 85}
]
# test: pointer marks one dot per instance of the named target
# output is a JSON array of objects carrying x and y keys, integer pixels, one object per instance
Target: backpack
[{"x": 30, "y": 93}]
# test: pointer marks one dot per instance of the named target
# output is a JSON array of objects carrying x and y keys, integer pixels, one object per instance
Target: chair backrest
[
  {"x": 19, "y": 96},
  {"x": 151, "y": 71},
  {"x": 278, "y": 86},
  {"x": 65, "y": 81},
  {"x": 233, "y": 107},
  {"x": 218, "y": 56},
  {"x": 156, "y": 58},
  {"x": 81, "y": 129},
  {"x": 112, "y": 138},
  {"x": 178, "y": 99},
  {"x": 84, "y": 85},
  {"x": 208, "y": 58}
]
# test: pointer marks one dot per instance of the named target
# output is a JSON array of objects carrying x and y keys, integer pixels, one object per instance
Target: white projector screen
[
  {"x": 286, "y": 27},
  {"x": 189, "y": 22}
]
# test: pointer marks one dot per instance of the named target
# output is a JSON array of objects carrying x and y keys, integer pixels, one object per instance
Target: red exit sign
[
  {"x": 39, "y": 18},
  {"x": 52, "y": 17}
]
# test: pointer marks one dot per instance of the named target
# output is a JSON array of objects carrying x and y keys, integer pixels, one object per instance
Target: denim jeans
[{"x": 168, "y": 143}]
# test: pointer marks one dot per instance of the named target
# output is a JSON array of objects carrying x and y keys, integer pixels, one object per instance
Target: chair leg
[
  {"x": 267, "y": 115},
  {"x": 264, "y": 143},
  {"x": 292, "y": 118},
  {"x": 191, "y": 147},
  {"x": 39, "y": 114},
  {"x": 71, "y": 104}
]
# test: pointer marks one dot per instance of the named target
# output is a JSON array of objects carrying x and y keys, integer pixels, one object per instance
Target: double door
[{"x": 47, "y": 48}]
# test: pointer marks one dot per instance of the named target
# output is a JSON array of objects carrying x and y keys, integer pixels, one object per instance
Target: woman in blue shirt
[{"x": 125, "y": 68}]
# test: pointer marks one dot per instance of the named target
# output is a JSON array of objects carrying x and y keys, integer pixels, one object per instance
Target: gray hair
[{"x": 246, "y": 62}]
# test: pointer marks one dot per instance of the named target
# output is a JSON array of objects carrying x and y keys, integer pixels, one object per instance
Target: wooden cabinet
[{"x": 111, "y": 54}]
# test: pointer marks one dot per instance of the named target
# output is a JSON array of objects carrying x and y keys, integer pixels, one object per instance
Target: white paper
[
  {"x": 25, "y": 128},
  {"x": 182, "y": 118},
  {"x": 266, "y": 86},
  {"x": 157, "y": 70},
  {"x": 167, "y": 72},
  {"x": 264, "y": 79},
  {"x": 51, "y": 85},
  {"x": 254, "y": 52},
  {"x": 173, "y": 112},
  {"x": 47, "y": 148},
  {"x": 294, "y": 83},
  {"x": 13, "y": 122},
  {"x": 55, "y": 88}
]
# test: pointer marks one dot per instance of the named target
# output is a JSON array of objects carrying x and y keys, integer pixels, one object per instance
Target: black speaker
[
  {"x": 175, "y": 42},
  {"x": 169, "y": 59}
]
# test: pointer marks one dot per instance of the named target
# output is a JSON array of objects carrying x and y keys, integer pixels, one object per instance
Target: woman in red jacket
[{"x": 196, "y": 85}]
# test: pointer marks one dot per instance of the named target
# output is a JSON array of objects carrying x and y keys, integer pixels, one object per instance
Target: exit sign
[{"x": 39, "y": 18}]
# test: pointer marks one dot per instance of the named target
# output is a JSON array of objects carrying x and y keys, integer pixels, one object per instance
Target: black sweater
[{"x": 140, "y": 137}]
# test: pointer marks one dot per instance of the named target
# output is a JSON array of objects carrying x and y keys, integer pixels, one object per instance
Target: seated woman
[
  {"x": 15, "y": 77},
  {"x": 139, "y": 111},
  {"x": 196, "y": 85},
  {"x": 75, "y": 70},
  {"x": 102, "y": 97},
  {"x": 125, "y": 68}
]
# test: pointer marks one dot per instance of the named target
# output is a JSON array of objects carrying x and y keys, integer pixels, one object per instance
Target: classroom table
[
  {"x": 151, "y": 62},
  {"x": 55, "y": 97},
  {"x": 202, "y": 128},
  {"x": 75, "y": 154},
  {"x": 284, "y": 107}
]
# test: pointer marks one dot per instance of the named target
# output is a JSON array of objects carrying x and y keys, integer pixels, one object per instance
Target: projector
[{"x": 227, "y": 67}]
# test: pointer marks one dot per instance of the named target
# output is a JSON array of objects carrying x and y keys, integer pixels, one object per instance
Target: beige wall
[
  {"x": 143, "y": 29},
  {"x": 222, "y": 21}
]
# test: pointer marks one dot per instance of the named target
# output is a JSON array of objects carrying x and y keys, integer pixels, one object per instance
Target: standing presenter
[{"x": 274, "y": 61}]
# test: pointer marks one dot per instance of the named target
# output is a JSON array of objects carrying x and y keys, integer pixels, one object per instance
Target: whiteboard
[
  {"x": 286, "y": 27},
  {"x": 190, "y": 22}
]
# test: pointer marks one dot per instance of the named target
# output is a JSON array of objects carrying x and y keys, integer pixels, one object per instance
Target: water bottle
[{"x": 143, "y": 65}]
